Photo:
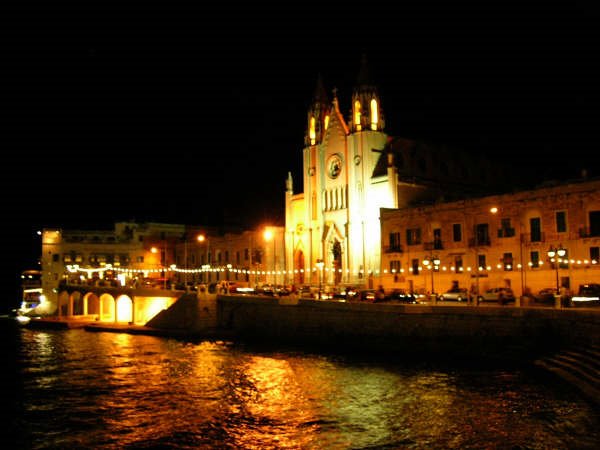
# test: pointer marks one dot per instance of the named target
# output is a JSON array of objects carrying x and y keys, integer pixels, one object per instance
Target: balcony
[
  {"x": 480, "y": 242},
  {"x": 587, "y": 232},
  {"x": 506, "y": 232},
  {"x": 393, "y": 249},
  {"x": 529, "y": 238},
  {"x": 435, "y": 245}
]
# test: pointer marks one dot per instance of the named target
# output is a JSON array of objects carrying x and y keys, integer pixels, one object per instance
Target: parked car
[
  {"x": 367, "y": 295},
  {"x": 545, "y": 297},
  {"x": 456, "y": 294},
  {"x": 588, "y": 295},
  {"x": 401, "y": 296},
  {"x": 499, "y": 295}
]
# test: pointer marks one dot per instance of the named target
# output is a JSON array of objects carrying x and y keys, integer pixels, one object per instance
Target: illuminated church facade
[{"x": 351, "y": 169}]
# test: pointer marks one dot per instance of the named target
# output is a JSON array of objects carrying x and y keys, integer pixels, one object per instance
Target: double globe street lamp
[
  {"x": 433, "y": 262},
  {"x": 556, "y": 255}
]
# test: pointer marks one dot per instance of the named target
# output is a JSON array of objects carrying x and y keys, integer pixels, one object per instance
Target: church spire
[
  {"x": 318, "y": 115},
  {"x": 366, "y": 104}
]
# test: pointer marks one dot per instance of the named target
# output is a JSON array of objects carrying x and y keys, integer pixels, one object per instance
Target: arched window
[
  {"x": 312, "y": 132},
  {"x": 357, "y": 114},
  {"x": 374, "y": 114}
]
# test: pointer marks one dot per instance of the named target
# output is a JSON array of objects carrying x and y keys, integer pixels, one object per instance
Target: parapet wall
[{"x": 410, "y": 328}]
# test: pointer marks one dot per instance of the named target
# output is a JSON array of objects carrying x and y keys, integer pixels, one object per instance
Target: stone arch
[
  {"x": 124, "y": 309},
  {"x": 107, "y": 308},
  {"x": 76, "y": 304},
  {"x": 63, "y": 303},
  {"x": 91, "y": 304}
]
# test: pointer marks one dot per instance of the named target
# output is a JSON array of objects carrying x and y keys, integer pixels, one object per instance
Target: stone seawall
[{"x": 469, "y": 330}]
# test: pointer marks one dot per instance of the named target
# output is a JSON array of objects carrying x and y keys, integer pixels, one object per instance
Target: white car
[
  {"x": 498, "y": 295},
  {"x": 456, "y": 294}
]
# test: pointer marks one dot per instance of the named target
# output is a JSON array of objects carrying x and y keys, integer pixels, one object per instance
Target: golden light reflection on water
[{"x": 110, "y": 390}]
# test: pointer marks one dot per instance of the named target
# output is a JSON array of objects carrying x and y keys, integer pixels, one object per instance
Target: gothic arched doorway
[
  {"x": 299, "y": 267},
  {"x": 336, "y": 252}
]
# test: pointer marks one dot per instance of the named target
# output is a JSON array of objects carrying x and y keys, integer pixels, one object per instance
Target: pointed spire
[
  {"x": 363, "y": 78},
  {"x": 318, "y": 114},
  {"x": 320, "y": 95},
  {"x": 366, "y": 103}
]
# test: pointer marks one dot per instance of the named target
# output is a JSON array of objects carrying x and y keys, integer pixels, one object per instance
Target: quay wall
[{"x": 459, "y": 330}]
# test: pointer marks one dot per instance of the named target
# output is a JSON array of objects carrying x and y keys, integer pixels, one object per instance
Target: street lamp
[
  {"x": 434, "y": 263},
  {"x": 320, "y": 265},
  {"x": 552, "y": 253},
  {"x": 201, "y": 238}
]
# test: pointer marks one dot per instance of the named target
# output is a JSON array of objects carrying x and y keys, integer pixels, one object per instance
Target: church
[{"x": 352, "y": 169}]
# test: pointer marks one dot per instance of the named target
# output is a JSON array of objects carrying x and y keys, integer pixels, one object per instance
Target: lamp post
[
  {"x": 554, "y": 252},
  {"x": 433, "y": 262},
  {"x": 163, "y": 261},
  {"x": 320, "y": 265},
  {"x": 201, "y": 238}
]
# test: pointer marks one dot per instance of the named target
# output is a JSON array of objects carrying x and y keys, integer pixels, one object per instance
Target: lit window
[
  {"x": 357, "y": 114},
  {"x": 311, "y": 132},
  {"x": 374, "y": 114},
  {"x": 326, "y": 122}
]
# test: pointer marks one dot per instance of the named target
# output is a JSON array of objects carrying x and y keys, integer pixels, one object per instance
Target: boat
[{"x": 31, "y": 288}]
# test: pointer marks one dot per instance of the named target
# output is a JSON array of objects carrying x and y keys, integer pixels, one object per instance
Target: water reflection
[{"x": 106, "y": 390}]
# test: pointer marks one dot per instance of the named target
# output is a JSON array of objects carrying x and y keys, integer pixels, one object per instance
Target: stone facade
[{"x": 480, "y": 247}]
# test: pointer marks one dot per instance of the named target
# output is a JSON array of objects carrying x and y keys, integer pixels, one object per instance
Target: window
[
  {"x": 395, "y": 241},
  {"x": 413, "y": 236},
  {"x": 395, "y": 266},
  {"x": 594, "y": 223},
  {"x": 139, "y": 259},
  {"x": 458, "y": 263},
  {"x": 535, "y": 259},
  {"x": 437, "y": 239},
  {"x": 246, "y": 254},
  {"x": 374, "y": 114},
  {"x": 357, "y": 114},
  {"x": 456, "y": 232},
  {"x": 506, "y": 230},
  {"x": 595, "y": 253},
  {"x": 481, "y": 262},
  {"x": 482, "y": 235},
  {"x": 415, "y": 267},
  {"x": 561, "y": 221},
  {"x": 535, "y": 226},
  {"x": 507, "y": 261}
]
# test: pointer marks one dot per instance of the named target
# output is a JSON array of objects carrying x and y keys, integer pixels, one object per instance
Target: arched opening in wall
[
  {"x": 77, "y": 300},
  {"x": 63, "y": 303},
  {"x": 124, "y": 309},
  {"x": 93, "y": 304},
  {"x": 336, "y": 252},
  {"x": 107, "y": 308},
  {"x": 299, "y": 267}
]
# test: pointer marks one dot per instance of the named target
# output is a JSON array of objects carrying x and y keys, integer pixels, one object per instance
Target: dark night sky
[{"x": 195, "y": 114}]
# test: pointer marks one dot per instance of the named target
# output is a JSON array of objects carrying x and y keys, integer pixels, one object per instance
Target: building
[
  {"x": 351, "y": 169},
  {"x": 496, "y": 241},
  {"x": 249, "y": 257},
  {"x": 167, "y": 256}
]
